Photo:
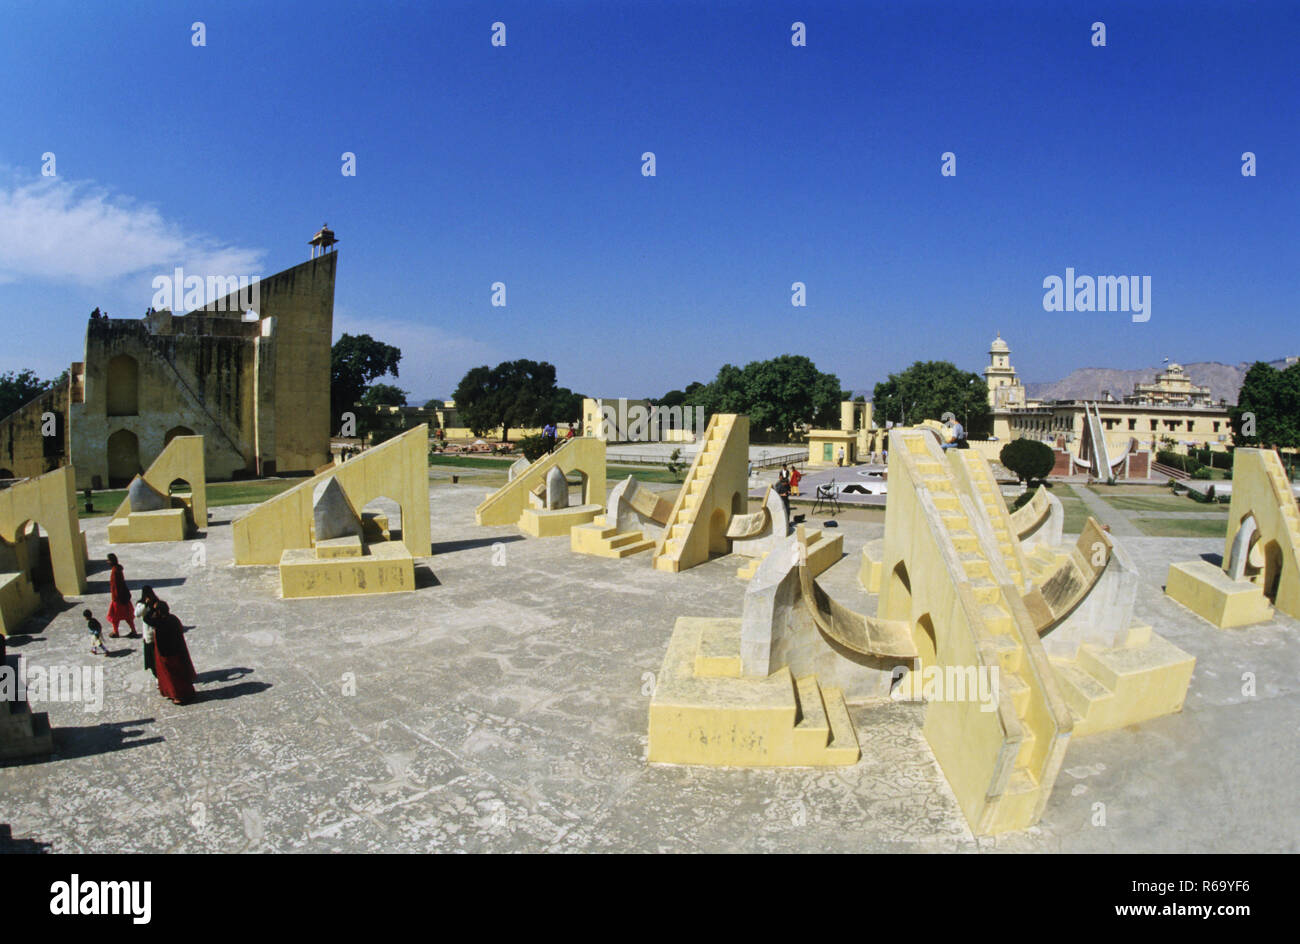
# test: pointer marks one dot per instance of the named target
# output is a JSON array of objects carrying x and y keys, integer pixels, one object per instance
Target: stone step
[
  {"x": 1078, "y": 688},
  {"x": 1019, "y": 691},
  {"x": 624, "y": 539},
  {"x": 1024, "y": 756},
  {"x": 844, "y": 740},
  {"x": 976, "y": 565},
  {"x": 1011, "y": 654},
  {"x": 985, "y": 590},
  {"x": 999, "y": 621},
  {"x": 1022, "y": 781},
  {"x": 813, "y": 730}
]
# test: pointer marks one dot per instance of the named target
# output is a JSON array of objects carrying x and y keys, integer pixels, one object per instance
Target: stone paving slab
[{"x": 503, "y": 707}]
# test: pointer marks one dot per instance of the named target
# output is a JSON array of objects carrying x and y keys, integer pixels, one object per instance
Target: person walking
[
  {"x": 97, "y": 647},
  {"x": 172, "y": 663},
  {"x": 119, "y": 609},
  {"x": 143, "y": 612},
  {"x": 795, "y": 476}
]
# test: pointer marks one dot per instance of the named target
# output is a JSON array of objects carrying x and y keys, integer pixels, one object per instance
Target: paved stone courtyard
[{"x": 502, "y": 707}]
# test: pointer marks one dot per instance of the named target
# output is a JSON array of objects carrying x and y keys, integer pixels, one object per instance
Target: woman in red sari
[
  {"x": 120, "y": 608},
  {"x": 171, "y": 656}
]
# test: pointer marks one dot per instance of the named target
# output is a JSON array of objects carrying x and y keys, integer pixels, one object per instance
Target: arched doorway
[
  {"x": 1272, "y": 570},
  {"x": 900, "y": 594},
  {"x": 31, "y": 549},
  {"x": 123, "y": 458},
  {"x": 123, "y": 393},
  {"x": 176, "y": 431},
  {"x": 381, "y": 520},
  {"x": 718, "y": 532}
]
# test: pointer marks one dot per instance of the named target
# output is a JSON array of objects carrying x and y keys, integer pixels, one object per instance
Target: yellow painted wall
[
  {"x": 1260, "y": 488},
  {"x": 50, "y": 501},
  {"x": 182, "y": 458},
  {"x": 397, "y": 469},
  {"x": 584, "y": 454}
]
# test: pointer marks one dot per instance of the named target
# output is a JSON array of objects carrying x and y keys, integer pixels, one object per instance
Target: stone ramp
[
  {"x": 714, "y": 491},
  {"x": 621, "y": 531},
  {"x": 1261, "y": 553},
  {"x": 584, "y": 454},
  {"x": 945, "y": 573},
  {"x": 182, "y": 458},
  {"x": 397, "y": 469}
]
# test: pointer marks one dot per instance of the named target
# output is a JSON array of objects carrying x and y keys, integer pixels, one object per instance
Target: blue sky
[{"x": 775, "y": 164}]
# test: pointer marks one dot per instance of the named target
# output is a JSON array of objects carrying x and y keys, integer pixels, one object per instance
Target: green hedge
[{"x": 1174, "y": 460}]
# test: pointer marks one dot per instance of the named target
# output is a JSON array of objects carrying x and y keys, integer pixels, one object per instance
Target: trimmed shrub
[
  {"x": 534, "y": 447},
  {"x": 1027, "y": 459}
]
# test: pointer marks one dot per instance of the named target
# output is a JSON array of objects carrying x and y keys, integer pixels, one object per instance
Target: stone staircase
[
  {"x": 1024, "y": 793},
  {"x": 988, "y": 493},
  {"x": 602, "y": 539},
  {"x": 785, "y": 721},
  {"x": 1099, "y": 685},
  {"x": 23, "y": 733},
  {"x": 684, "y": 517},
  {"x": 823, "y": 550},
  {"x": 1286, "y": 499},
  {"x": 1041, "y": 563}
]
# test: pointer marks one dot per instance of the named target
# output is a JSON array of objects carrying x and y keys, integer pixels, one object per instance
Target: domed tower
[{"x": 1004, "y": 387}]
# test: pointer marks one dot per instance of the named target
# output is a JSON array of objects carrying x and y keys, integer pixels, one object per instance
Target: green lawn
[
  {"x": 219, "y": 493},
  {"x": 1155, "y": 501},
  {"x": 613, "y": 473},
  {"x": 472, "y": 462},
  {"x": 1076, "y": 514},
  {"x": 1181, "y": 527}
]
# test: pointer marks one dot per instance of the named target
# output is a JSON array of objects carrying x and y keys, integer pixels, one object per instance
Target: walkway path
[{"x": 1107, "y": 513}]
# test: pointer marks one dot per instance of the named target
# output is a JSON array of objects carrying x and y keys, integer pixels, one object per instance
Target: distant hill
[{"x": 1091, "y": 383}]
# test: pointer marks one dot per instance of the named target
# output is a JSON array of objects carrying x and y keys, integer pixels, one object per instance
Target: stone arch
[
  {"x": 1243, "y": 542},
  {"x": 718, "y": 543},
  {"x": 390, "y": 520},
  {"x": 1272, "y": 570},
  {"x": 122, "y": 396},
  {"x": 899, "y": 595},
  {"x": 123, "y": 458},
  {"x": 31, "y": 548},
  {"x": 176, "y": 431}
]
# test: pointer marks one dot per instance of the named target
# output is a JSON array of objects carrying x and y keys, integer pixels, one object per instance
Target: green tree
[
  {"x": 1268, "y": 407},
  {"x": 566, "y": 406},
  {"x": 514, "y": 393},
  {"x": 355, "y": 361},
  {"x": 20, "y": 387},
  {"x": 779, "y": 395},
  {"x": 1028, "y": 459},
  {"x": 929, "y": 389},
  {"x": 377, "y": 395}
]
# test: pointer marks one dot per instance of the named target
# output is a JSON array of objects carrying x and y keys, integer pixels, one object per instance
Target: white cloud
[
  {"x": 62, "y": 231},
  {"x": 433, "y": 360}
]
